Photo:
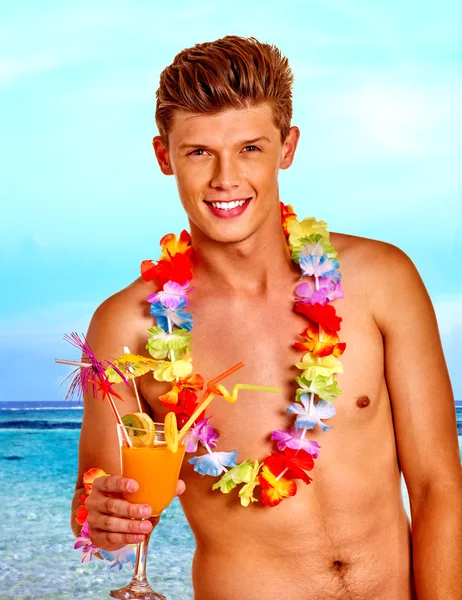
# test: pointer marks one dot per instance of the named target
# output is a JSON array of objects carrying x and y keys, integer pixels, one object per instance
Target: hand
[{"x": 114, "y": 522}]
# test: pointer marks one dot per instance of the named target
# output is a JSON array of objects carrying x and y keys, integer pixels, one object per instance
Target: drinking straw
[
  {"x": 73, "y": 363},
  {"x": 132, "y": 377},
  {"x": 226, "y": 373},
  {"x": 207, "y": 398},
  {"x": 244, "y": 386}
]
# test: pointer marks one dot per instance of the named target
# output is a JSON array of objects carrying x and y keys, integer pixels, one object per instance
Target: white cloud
[{"x": 12, "y": 68}]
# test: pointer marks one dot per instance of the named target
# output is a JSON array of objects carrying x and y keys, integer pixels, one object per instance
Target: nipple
[{"x": 362, "y": 402}]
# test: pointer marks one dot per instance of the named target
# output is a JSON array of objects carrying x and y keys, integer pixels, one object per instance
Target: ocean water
[
  {"x": 38, "y": 458},
  {"x": 38, "y": 465}
]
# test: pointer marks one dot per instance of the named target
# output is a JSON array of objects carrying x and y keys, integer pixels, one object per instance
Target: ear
[
  {"x": 162, "y": 155},
  {"x": 288, "y": 147}
]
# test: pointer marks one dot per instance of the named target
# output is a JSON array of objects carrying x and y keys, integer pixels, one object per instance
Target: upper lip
[{"x": 228, "y": 199}]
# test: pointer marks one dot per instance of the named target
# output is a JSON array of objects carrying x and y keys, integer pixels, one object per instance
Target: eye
[
  {"x": 196, "y": 152},
  {"x": 251, "y": 148}
]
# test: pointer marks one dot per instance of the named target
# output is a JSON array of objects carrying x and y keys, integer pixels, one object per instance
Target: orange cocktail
[{"x": 156, "y": 469}]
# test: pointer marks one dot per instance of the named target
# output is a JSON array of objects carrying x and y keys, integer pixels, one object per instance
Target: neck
[{"x": 253, "y": 266}]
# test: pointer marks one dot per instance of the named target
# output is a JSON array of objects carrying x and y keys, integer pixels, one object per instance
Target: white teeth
[{"x": 228, "y": 205}]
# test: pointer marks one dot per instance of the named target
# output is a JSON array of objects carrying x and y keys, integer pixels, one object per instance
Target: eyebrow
[{"x": 261, "y": 138}]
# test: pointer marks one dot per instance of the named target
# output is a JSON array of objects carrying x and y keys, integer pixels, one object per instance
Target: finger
[
  {"x": 180, "y": 487},
  {"x": 109, "y": 530},
  {"x": 115, "y": 483},
  {"x": 107, "y": 540},
  {"x": 118, "y": 507}
]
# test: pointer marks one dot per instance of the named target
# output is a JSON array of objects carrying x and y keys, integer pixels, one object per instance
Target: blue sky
[{"x": 377, "y": 95}]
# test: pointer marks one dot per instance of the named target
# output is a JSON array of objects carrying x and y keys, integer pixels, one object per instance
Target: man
[{"x": 224, "y": 112}]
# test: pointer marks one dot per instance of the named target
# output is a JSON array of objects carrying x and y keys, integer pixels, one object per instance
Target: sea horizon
[{"x": 67, "y": 404}]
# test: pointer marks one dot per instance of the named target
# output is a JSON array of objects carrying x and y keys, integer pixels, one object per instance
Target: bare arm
[
  {"x": 425, "y": 425},
  {"x": 114, "y": 325}
]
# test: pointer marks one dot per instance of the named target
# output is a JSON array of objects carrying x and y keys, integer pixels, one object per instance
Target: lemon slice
[
  {"x": 171, "y": 431},
  {"x": 140, "y": 429}
]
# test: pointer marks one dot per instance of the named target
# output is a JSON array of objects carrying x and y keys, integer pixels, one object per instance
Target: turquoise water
[
  {"x": 38, "y": 456},
  {"x": 37, "y": 559}
]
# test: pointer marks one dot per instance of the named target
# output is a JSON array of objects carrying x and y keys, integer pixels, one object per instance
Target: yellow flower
[
  {"x": 299, "y": 230},
  {"x": 169, "y": 371},
  {"x": 312, "y": 366},
  {"x": 246, "y": 491}
]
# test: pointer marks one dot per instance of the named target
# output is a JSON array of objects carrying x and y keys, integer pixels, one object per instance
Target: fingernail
[
  {"x": 146, "y": 511},
  {"x": 131, "y": 485},
  {"x": 139, "y": 538},
  {"x": 145, "y": 526}
]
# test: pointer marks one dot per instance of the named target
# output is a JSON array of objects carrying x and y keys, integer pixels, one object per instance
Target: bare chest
[{"x": 261, "y": 334}]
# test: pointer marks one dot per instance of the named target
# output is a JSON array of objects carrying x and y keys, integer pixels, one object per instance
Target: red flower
[
  {"x": 274, "y": 491},
  {"x": 177, "y": 269},
  {"x": 295, "y": 461},
  {"x": 81, "y": 514},
  {"x": 325, "y": 316},
  {"x": 187, "y": 404}
]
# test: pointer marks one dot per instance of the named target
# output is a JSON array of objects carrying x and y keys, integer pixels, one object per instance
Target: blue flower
[
  {"x": 213, "y": 463},
  {"x": 320, "y": 266},
  {"x": 117, "y": 559},
  {"x": 308, "y": 420},
  {"x": 178, "y": 317}
]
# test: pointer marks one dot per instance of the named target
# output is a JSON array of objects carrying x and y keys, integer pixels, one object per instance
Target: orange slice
[
  {"x": 171, "y": 431},
  {"x": 141, "y": 429}
]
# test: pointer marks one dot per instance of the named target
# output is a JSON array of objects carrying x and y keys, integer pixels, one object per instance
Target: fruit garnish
[
  {"x": 171, "y": 431},
  {"x": 140, "y": 428}
]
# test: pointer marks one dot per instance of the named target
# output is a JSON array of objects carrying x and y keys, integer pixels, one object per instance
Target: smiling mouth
[{"x": 229, "y": 205}]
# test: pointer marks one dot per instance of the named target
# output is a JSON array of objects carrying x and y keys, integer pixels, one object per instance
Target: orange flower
[
  {"x": 90, "y": 476},
  {"x": 193, "y": 382},
  {"x": 273, "y": 492},
  {"x": 287, "y": 214},
  {"x": 330, "y": 343},
  {"x": 171, "y": 245}
]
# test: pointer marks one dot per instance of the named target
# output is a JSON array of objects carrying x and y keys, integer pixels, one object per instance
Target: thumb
[{"x": 180, "y": 487}]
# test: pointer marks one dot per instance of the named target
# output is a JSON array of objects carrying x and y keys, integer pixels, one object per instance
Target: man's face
[{"x": 226, "y": 168}]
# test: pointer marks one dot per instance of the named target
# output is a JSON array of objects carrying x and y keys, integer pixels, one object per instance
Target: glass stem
[{"x": 139, "y": 575}]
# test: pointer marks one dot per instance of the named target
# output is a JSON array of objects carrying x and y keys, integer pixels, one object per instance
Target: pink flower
[
  {"x": 293, "y": 439},
  {"x": 328, "y": 291},
  {"x": 173, "y": 296},
  {"x": 202, "y": 432},
  {"x": 84, "y": 542}
]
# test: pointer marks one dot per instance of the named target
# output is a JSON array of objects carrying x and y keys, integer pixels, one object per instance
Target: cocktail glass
[{"x": 156, "y": 468}]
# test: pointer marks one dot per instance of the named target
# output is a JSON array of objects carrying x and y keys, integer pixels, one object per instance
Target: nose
[{"x": 226, "y": 174}]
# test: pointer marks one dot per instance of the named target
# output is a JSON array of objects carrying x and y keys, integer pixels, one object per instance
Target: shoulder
[
  {"x": 122, "y": 318},
  {"x": 382, "y": 273}
]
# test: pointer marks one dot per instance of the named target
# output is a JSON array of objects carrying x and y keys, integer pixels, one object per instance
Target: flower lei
[{"x": 169, "y": 342}]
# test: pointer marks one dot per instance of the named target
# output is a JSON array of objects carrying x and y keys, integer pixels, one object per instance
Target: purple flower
[
  {"x": 328, "y": 291},
  {"x": 214, "y": 463},
  {"x": 80, "y": 378},
  {"x": 173, "y": 296},
  {"x": 293, "y": 439},
  {"x": 202, "y": 432},
  {"x": 84, "y": 542}
]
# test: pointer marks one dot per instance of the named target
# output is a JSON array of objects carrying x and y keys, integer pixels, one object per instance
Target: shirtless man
[{"x": 346, "y": 535}]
